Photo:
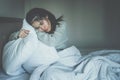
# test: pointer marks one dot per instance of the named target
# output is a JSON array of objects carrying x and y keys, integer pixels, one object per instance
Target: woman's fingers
[
  {"x": 26, "y": 31},
  {"x": 23, "y": 33},
  {"x": 40, "y": 29}
]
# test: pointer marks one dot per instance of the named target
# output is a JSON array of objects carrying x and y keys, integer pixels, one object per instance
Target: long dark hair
[{"x": 39, "y": 14}]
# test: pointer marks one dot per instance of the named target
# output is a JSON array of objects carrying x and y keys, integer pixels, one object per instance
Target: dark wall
[{"x": 112, "y": 23}]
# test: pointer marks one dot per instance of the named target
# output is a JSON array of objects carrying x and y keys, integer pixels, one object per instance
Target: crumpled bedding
[
  {"x": 27, "y": 53},
  {"x": 103, "y": 66},
  {"x": 45, "y": 63},
  {"x": 3, "y": 76},
  {"x": 98, "y": 65}
]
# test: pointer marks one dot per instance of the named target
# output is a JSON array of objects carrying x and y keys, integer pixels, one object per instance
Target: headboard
[{"x": 7, "y": 26}]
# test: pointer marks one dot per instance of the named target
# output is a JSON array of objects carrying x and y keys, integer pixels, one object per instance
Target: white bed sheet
[{"x": 3, "y": 76}]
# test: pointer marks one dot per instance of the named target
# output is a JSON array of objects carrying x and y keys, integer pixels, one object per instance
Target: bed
[{"x": 74, "y": 58}]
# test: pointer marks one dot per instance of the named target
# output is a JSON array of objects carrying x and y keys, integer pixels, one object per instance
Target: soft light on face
[{"x": 43, "y": 25}]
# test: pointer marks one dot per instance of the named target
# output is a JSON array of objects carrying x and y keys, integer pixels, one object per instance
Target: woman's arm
[
  {"x": 14, "y": 36},
  {"x": 19, "y": 34},
  {"x": 57, "y": 39}
]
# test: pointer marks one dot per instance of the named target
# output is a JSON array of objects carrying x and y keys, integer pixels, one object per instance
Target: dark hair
[{"x": 39, "y": 14}]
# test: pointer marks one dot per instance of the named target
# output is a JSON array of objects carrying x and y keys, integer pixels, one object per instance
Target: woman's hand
[
  {"x": 40, "y": 29},
  {"x": 23, "y": 33}
]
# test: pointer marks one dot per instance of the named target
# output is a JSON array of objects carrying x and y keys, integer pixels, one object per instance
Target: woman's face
[{"x": 42, "y": 25}]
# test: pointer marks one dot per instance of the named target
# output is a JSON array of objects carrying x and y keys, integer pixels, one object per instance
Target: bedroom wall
[
  {"x": 12, "y": 8},
  {"x": 112, "y": 23}
]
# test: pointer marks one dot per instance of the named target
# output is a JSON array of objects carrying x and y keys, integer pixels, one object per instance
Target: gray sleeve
[
  {"x": 14, "y": 36},
  {"x": 57, "y": 39}
]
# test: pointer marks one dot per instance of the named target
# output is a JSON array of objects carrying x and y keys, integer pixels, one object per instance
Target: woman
[
  {"x": 50, "y": 30},
  {"x": 28, "y": 48}
]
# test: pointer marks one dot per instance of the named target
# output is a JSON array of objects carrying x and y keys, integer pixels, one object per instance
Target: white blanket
[
  {"x": 45, "y": 63},
  {"x": 99, "y": 65},
  {"x": 27, "y": 52}
]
